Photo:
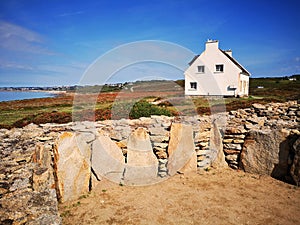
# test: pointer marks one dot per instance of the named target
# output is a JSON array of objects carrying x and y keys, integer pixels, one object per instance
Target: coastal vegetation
[{"x": 141, "y": 98}]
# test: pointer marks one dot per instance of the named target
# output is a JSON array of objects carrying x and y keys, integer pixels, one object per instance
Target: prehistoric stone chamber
[{"x": 41, "y": 165}]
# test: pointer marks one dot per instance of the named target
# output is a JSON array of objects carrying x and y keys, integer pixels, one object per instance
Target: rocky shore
[{"x": 42, "y": 165}]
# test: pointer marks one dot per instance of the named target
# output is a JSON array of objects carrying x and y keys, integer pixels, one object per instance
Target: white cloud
[
  {"x": 20, "y": 39},
  {"x": 9, "y": 30},
  {"x": 14, "y": 65},
  {"x": 71, "y": 14},
  {"x": 62, "y": 69}
]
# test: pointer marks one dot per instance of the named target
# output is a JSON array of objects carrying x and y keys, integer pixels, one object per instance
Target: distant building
[{"x": 216, "y": 72}]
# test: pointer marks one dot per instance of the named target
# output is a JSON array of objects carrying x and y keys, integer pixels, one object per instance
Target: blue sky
[{"x": 46, "y": 43}]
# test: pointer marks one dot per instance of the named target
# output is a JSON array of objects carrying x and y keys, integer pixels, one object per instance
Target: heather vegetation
[
  {"x": 281, "y": 89},
  {"x": 137, "y": 101}
]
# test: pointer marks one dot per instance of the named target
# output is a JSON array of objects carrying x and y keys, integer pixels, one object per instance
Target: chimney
[
  {"x": 228, "y": 52},
  {"x": 211, "y": 44}
]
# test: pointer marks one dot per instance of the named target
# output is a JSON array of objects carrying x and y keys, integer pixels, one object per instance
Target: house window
[
  {"x": 200, "y": 69},
  {"x": 193, "y": 85},
  {"x": 219, "y": 68}
]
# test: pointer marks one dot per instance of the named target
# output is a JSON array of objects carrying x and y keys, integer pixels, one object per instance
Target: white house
[{"x": 216, "y": 72}]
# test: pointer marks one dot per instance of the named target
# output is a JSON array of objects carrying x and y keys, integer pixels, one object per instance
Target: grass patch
[{"x": 280, "y": 89}]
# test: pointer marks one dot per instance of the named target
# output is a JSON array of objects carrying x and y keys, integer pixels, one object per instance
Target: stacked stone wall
[
  {"x": 258, "y": 117},
  {"x": 30, "y": 167},
  {"x": 27, "y": 186}
]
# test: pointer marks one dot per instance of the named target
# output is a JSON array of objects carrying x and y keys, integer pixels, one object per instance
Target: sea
[{"x": 21, "y": 95}]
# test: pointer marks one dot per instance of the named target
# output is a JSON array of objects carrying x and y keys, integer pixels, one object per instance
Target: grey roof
[
  {"x": 193, "y": 60},
  {"x": 236, "y": 63}
]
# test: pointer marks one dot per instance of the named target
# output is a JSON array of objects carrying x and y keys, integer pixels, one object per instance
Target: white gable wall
[
  {"x": 212, "y": 82},
  {"x": 243, "y": 87}
]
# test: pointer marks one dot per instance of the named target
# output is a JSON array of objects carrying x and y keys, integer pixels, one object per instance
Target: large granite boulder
[
  {"x": 107, "y": 159},
  {"x": 72, "y": 166},
  {"x": 142, "y": 164},
  {"x": 266, "y": 152},
  {"x": 295, "y": 167},
  {"x": 181, "y": 149},
  {"x": 216, "y": 147}
]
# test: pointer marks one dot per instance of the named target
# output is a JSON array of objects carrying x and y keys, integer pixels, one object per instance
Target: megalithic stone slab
[
  {"x": 72, "y": 166},
  {"x": 295, "y": 168},
  {"x": 181, "y": 149},
  {"x": 142, "y": 164},
  {"x": 216, "y": 146},
  {"x": 107, "y": 159},
  {"x": 266, "y": 152}
]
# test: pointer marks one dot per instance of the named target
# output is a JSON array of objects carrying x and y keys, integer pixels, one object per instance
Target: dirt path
[{"x": 213, "y": 197}]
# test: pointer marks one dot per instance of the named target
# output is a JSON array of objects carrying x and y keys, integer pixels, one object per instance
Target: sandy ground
[{"x": 213, "y": 197}]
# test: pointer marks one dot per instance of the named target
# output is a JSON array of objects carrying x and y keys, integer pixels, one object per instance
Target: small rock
[
  {"x": 163, "y": 161},
  {"x": 231, "y": 152},
  {"x": 202, "y": 144},
  {"x": 233, "y": 166},
  {"x": 161, "y": 154},
  {"x": 203, "y": 152},
  {"x": 231, "y": 157},
  {"x": 160, "y": 145},
  {"x": 238, "y": 141},
  {"x": 233, "y": 146},
  {"x": 258, "y": 106},
  {"x": 201, "y": 158},
  {"x": 161, "y": 139},
  {"x": 158, "y": 131},
  {"x": 235, "y": 130},
  {"x": 44, "y": 138},
  {"x": 227, "y": 140},
  {"x": 291, "y": 113}
]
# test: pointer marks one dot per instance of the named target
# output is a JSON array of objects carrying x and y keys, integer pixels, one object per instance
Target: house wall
[
  {"x": 211, "y": 82},
  {"x": 243, "y": 87}
]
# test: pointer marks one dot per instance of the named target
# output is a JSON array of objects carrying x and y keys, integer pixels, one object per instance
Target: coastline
[
  {"x": 19, "y": 95},
  {"x": 55, "y": 93},
  {"x": 45, "y": 91},
  {"x": 50, "y": 92}
]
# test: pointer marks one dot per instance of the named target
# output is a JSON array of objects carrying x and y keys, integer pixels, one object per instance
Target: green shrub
[{"x": 146, "y": 109}]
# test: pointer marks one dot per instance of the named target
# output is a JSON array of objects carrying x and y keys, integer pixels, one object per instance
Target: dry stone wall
[
  {"x": 43, "y": 164},
  {"x": 27, "y": 186},
  {"x": 266, "y": 118}
]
